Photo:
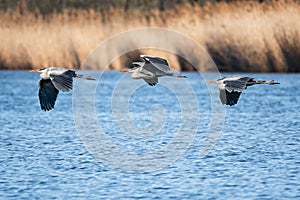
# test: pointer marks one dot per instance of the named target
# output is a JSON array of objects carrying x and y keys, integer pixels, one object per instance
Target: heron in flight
[
  {"x": 231, "y": 87},
  {"x": 151, "y": 69},
  {"x": 52, "y": 80}
]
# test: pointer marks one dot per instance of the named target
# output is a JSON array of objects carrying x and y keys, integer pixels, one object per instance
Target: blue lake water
[{"x": 45, "y": 156}]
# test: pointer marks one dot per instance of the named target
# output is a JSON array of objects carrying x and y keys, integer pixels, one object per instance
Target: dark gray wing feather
[
  {"x": 47, "y": 94},
  {"x": 237, "y": 85},
  {"x": 136, "y": 65},
  {"x": 151, "y": 81},
  {"x": 155, "y": 60},
  {"x": 229, "y": 98},
  {"x": 159, "y": 63},
  {"x": 231, "y": 89},
  {"x": 63, "y": 81}
]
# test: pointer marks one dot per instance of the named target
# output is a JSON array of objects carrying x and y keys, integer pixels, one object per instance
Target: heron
[
  {"x": 52, "y": 81},
  {"x": 230, "y": 88},
  {"x": 151, "y": 69}
]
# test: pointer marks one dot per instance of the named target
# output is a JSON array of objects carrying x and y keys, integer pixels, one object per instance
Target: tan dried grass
[{"x": 240, "y": 36}]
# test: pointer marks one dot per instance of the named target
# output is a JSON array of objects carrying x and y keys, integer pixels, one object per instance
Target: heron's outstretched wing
[
  {"x": 136, "y": 65},
  {"x": 235, "y": 83},
  {"x": 63, "y": 81},
  {"x": 231, "y": 89},
  {"x": 156, "y": 62},
  {"x": 151, "y": 81},
  {"x": 229, "y": 98},
  {"x": 47, "y": 94}
]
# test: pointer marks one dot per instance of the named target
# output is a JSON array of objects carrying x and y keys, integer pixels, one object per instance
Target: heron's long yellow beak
[
  {"x": 210, "y": 81},
  {"x": 33, "y": 70},
  {"x": 273, "y": 83},
  {"x": 124, "y": 70}
]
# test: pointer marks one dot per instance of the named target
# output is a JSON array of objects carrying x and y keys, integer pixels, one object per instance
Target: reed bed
[{"x": 240, "y": 36}]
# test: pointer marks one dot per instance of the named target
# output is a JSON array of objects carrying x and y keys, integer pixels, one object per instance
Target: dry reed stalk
[{"x": 240, "y": 36}]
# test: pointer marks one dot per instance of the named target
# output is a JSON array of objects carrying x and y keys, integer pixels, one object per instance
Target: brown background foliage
[{"x": 249, "y": 36}]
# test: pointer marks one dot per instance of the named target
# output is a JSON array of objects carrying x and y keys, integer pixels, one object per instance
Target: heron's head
[
  {"x": 37, "y": 70},
  {"x": 135, "y": 65},
  {"x": 126, "y": 70}
]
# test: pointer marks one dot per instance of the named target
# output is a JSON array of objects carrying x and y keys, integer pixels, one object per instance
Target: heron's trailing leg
[
  {"x": 254, "y": 82},
  {"x": 264, "y": 82},
  {"x": 179, "y": 76},
  {"x": 84, "y": 77},
  {"x": 272, "y": 82}
]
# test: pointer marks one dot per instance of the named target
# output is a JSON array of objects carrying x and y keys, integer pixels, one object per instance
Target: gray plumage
[
  {"x": 52, "y": 81},
  {"x": 151, "y": 69},
  {"x": 63, "y": 81},
  {"x": 47, "y": 94},
  {"x": 231, "y": 87}
]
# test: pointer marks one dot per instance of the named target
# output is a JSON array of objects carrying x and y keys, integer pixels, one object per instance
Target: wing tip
[
  {"x": 232, "y": 98},
  {"x": 152, "y": 84},
  {"x": 231, "y": 103},
  {"x": 229, "y": 98},
  {"x": 47, "y": 107}
]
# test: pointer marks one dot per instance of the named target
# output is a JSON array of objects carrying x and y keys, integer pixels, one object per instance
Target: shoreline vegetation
[{"x": 240, "y": 36}]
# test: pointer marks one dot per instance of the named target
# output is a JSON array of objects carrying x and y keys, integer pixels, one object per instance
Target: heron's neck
[
  {"x": 135, "y": 75},
  {"x": 44, "y": 75}
]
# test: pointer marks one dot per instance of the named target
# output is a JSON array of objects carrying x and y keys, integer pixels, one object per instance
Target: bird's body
[
  {"x": 231, "y": 87},
  {"x": 52, "y": 81},
  {"x": 151, "y": 69}
]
